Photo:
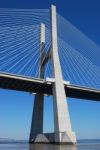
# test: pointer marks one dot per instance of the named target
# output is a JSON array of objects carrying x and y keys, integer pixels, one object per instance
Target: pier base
[{"x": 68, "y": 138}]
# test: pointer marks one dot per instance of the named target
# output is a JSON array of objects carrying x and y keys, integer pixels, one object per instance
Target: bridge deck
[
  {"x": 35, "y": 85},
  {"x": 21, "y": 83}
]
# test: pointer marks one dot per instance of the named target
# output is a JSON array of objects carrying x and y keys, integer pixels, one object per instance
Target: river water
[{"x": 82, "y": 146}]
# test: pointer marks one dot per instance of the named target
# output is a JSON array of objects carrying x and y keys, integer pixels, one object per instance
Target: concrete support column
[
  {"x": 37, "y": 117},
  {"x": 62, "y": 126}
]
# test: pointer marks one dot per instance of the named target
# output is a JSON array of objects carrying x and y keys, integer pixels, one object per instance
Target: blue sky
[{"x": 16, "y": 107}]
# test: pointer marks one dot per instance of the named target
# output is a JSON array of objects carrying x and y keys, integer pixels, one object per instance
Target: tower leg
[
  {"x": 37, "y": 118},
  {"x": 62, "y": 126}
]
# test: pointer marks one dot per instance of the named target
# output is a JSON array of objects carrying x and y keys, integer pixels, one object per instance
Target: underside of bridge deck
[
  {"x": 25, "y": 84},
  {"x": 35, "y": 85}
]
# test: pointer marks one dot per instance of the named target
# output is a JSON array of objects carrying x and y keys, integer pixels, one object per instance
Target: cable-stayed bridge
[{"x": 38, "y": 58}]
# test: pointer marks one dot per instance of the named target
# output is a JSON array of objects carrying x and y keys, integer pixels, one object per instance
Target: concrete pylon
[
  {"x": 63, "y": 133},
  {"x": 62, "y": 126},
  {"x": 37, "y": 116}
]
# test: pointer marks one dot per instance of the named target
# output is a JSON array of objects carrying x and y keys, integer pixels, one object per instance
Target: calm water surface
[{"x": 79, "y": 146}]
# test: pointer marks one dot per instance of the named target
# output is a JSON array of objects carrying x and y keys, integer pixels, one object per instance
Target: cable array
[
  {"x": 15, "y": 17},
  {"x": 20, "y": 40},
  {"x": 76, "y": 68},
  {"x": 20, "y": 47},
  {"x": 78, "y": 40}
]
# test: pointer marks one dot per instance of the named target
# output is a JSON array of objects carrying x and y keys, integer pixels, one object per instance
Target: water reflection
[
  {"x": 48, "y": 147},
  {"x": 51, "y": 147}
]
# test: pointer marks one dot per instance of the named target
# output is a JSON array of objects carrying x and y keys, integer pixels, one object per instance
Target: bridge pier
[
  {"x": 62, "y": 126},
  {"x": 37, "y": 118},
  {"x": 63, "y": 133},
  {"x": 37, "y": 115}
]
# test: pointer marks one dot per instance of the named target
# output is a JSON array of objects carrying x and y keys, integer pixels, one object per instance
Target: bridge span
[{"x": 44, "y": 86}]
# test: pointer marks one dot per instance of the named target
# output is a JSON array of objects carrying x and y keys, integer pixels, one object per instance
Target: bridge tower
[
  {"x": 37, "y": 115},
  {"x": 63, "y": 133}
]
